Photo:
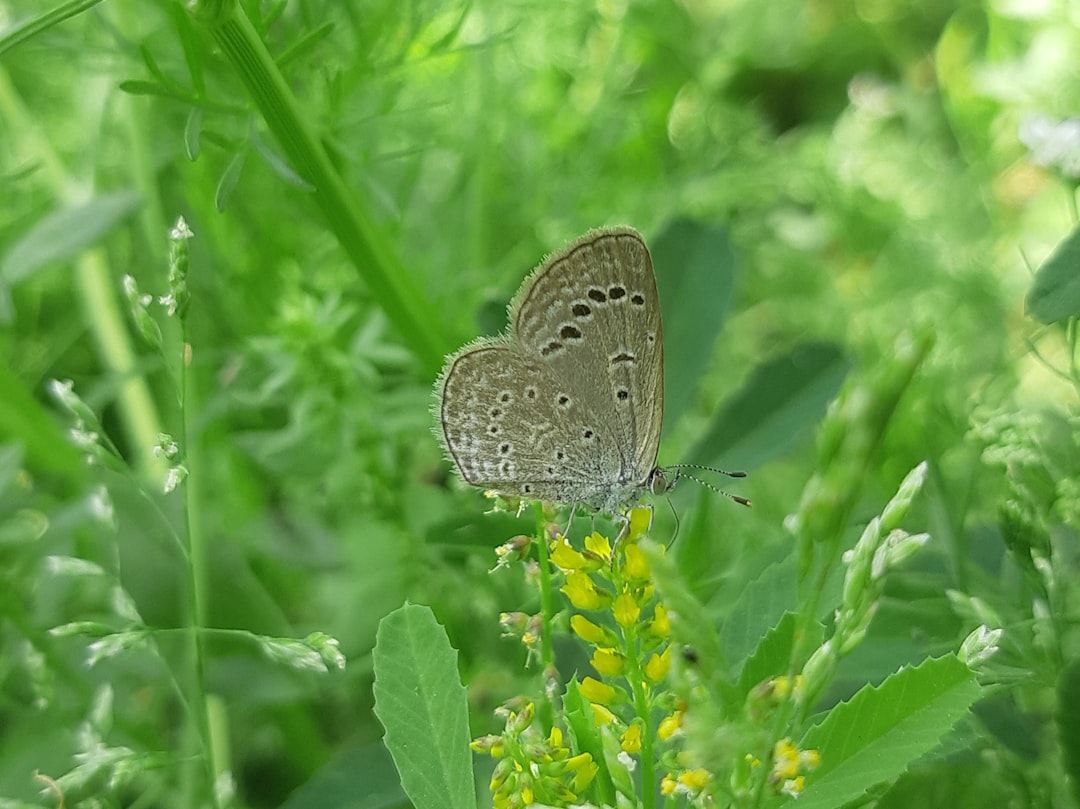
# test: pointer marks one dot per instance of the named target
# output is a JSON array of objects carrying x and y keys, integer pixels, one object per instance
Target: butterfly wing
[
  {"x": 502, "y": 424},
  {"x": 590, "y": 315}
]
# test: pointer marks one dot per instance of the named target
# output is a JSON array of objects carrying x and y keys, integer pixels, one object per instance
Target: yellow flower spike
[
  {"x": 608, "y": 662},
  {"x": 565, "y": 557},
  {"x": 667, "y": 786},
  {"x": 631, "y": 739},
  {"x": 639, "y": 522},
  {"x": 656, "y": 668},
  {"x": 601, "y": 715},
  {"x": 582, "y": 592},
  {"x": 599, "y": 545},
  {"x": 670, "y": 725},
  {"x": 785, "y": 760},
  {"x": 694, "y": 780},
  {"x": 626, "y": 610},
  {"x": 636, "y": 566},
  {"x": 596, "y": 691},
  {"x": 587, "y": 630}
]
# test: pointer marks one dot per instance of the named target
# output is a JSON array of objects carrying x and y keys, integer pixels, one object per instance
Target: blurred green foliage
[{"x": 366, "y": 194}]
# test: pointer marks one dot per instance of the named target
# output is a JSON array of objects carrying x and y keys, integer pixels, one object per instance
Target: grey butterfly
[{"x": 567, "y": 404}]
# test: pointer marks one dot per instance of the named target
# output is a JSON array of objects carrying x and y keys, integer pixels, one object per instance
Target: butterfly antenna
[{"x": 744, "y": 501}]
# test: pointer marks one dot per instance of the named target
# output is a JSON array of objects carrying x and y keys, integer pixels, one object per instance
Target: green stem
[
  {"x": 389, "y": 282},
  {"x": 200, "y": 710},
  {"x": 547, "y": 613}
]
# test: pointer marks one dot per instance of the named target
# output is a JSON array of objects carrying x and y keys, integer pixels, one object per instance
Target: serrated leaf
[
  {"x": 779, "y": 404},
  {"x": 759, "y": 607},
  {"x": 422, "y": 705},
  {"x": 1055, "y": 291},
  {"x": 876, "y": 735},
  {"x": 695, "y": 277},
  {"x": 772, "y": 655},
  {"x": 63, "y": 232}
]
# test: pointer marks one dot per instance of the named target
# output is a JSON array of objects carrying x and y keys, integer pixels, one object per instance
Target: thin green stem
[
  {"x": 195, "y": 545},
  {"x": 547, "y": 615}
]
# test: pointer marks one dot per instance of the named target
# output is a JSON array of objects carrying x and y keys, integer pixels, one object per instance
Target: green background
[{"x": 819, "y": 182}]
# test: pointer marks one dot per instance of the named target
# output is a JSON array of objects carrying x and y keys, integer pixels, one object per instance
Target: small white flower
[
  {"x": 176, "y": 476},
  {"x": 181, "y": 231},
  {"x": 1053, "y": 144},
  {"x": 101, "y": 506},
  {"x": 170, "y": 303}
]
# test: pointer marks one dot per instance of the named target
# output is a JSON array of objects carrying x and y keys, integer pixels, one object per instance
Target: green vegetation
[{"x": 236, "y": 241}]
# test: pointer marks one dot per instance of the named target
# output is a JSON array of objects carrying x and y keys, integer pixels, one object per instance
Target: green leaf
[
  {"x": 777, "y": 407},
  {"x": 772, "y": 655},
  {"x": 759, "y": 607},
  {"x": 193, "y": 133},
  {"x": 421, "y": 702},
  {"x": 64, "y": 232},
  {"x": 695, "y": 277},
  {"x": 1055, "y": 292},
  {"x": 876, "y": 735},
  {"x": 229, "y": 178}
]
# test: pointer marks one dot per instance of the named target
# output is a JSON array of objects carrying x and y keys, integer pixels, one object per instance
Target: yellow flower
[
  {"x": 555, "y": 737},
  {"x": 608, "y": 662},
  {"x": 582, "y": 592},
  {"x": 598, "y": 545},
  {"x": 527, "y": 794},
  {"x": 584, "y": 769},
  {"x": 785, "y": 760},
  {"x": 656, "y": 668},
  {"x": 601, "y": 715},
  {"x": 565, "y": 557},
  {"x": 667, "y": 786},
  {"x": 794, "y": 786},
  {"x": 631, "y": 739},
  {"x": 660, "y": 626},
  {"x": 694, "y": 780},
  {"x": 636, "y": 565},
  {"x": 670, "y": 725},
  {"x": 626, "y": 610},
  {"x": 588, "y": 631},
  {"x": 809, "y": 759},
  {"x": 596, "y": 691}
]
